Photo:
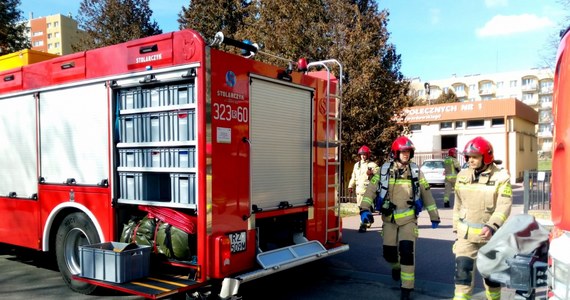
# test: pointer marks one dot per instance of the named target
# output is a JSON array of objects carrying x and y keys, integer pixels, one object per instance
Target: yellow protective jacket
[
  {"x": 400, "y": 193},
  {"x": 481, "y": 201},
  {"x": 359, "y": 180},
  {"x": 451, "y": 166}
]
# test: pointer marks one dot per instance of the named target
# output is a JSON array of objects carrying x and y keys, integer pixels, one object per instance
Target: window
[
  {"x": 49, "y": 46},
  {"x": 498, "y": 122},
  {"x": 546, "y": 99},
  {"x": 459, "y": 88},
  {"x": 545, "y": 116},
  {"x": 56, "y": 23},
  {"x": 56, "y": 34},
  {"x": 500, "y": 84},
  {"x": 38, "y": 33},
  {"x": 445, "y": 90},
  {"x": 458, "y": 124},
  {"x": 513, "y": 83},
  {"x": 446, "y": 125},
  {"x": 487, "y": 97},
  {"x": 49, "y": 35},
  {"x": 528, "y": 82},
  {"x": 486, "y": 86},
  {"x": 472, "y": 88},
  {"x": 38, "y": 43},
  {"x": 475, "y": 123},
  {"x": 48, "y": 25},
  {"x": 527, "y": 97},
  {"x": 546, "y": 86},
  {"x": 415, "y": 127},
  {"x": 56, "y": 45},
  {"x": 545, "y": 128},
  {"x": 521, "y": 143}
]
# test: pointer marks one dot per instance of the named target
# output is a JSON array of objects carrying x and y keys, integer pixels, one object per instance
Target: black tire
[{"x": 75, "y": 230}]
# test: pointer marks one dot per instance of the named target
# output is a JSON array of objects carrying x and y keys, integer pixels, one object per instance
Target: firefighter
[
  {"x": 451, "y": 169},
  {"x": 401, "y": 191},
  {"x": 363, "y": 170},
  {"x": 483, "y": 199}
]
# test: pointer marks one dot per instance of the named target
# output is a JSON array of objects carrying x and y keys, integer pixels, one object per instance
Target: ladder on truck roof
[{"x": 332, "y": 143}]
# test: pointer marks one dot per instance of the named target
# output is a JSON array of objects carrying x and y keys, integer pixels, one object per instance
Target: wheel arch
[{"x": 58, "y": 214}]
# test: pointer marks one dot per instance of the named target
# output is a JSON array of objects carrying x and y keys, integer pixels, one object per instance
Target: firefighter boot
[
  {"x": 396, "y": 274},
  {"x": 446, "y": 204},
  {"x": 362, "y": 228},
  {"x": 406, "y": 294}
]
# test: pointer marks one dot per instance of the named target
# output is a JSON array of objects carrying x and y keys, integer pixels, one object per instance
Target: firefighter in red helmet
[
  {"x": 363, "y": 170},
  {"x": 400, "y": 192},
  {"x": 451, "y": 169},
  {"x": 483, "y": 200}
]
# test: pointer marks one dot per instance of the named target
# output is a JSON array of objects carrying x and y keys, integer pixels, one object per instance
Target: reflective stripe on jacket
[
  {"x": 397, "y": 187},
  {"x": 451, "y": 166},
  {"x": 359, "y": 179}
]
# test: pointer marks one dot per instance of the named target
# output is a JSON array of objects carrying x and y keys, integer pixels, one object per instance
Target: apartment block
[
  {"x": 533, "y": 87},
  {"x": 53, "y": 34}
]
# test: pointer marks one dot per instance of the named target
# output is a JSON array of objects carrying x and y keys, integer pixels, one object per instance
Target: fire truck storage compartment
[
  {"x": 157, "y": 144},
  {"x": 135, "y": 98},
  {"x": 278, "y": 232},
  {"x": 281, "y": 147}
]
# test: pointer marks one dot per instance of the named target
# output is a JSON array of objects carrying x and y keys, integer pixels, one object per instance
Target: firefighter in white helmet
[
  {"x": 363, "y": 170},
  {"x": 400, "y": 192},
  {"x": 483, "y": 199},
  {"x": 451, "y": 169}
]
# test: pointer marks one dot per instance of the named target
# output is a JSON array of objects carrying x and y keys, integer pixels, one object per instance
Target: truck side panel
[{"x": 560, "y": 206}]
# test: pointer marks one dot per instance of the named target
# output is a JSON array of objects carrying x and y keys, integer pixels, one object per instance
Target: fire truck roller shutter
[
  {"x": 74, "y": 134},
  {"x": 281, "y": 143},
  {"x": 18, "y": 152}
]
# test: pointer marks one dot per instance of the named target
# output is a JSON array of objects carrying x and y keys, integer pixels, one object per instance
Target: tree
[
  {"x": 446, "y": 97},
  {"x": 109, "y": 22},
  {"x": 209, "y": 17},
  {"x": 12, "y": 28},
  {"x": 354, "y": 32}
]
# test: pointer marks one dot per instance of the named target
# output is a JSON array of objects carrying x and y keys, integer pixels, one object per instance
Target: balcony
[
  {"x": 460, "y": 94},
  {"x": 544, "y": 105},
  {"x": 532, "y": 87},
  {"x": 546, "y": 90},
  {"x": 486, "y": 91},
  {"x": 544, "y": 134},
  {"x": 531, "y": 102}
]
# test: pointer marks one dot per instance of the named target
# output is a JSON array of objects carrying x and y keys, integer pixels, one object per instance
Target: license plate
[{"x": 237, "y": 241}]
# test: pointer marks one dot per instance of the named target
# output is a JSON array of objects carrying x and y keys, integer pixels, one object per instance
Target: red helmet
[
  {"x": 402, "y": 144},
  {"x": 364, "y": 150},
  {"x": 479, "y": 146},
  {"x": 452, "y": 152}
]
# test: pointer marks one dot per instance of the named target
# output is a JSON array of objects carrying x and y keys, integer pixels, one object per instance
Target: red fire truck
[
  {"x": 560, "y": 207},
  {"x": 242, "y": 154}
]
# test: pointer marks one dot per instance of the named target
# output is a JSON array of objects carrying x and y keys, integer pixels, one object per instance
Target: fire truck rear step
[
  {"x": 156, "y": 286},
  {"x": 278, "y": 260}
]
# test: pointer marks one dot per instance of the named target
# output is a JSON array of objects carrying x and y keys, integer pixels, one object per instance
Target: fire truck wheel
[{"x": 75, "y": 230}]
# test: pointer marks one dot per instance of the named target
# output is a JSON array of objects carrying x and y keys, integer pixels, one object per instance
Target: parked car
[{"x": 434, "y": 171}]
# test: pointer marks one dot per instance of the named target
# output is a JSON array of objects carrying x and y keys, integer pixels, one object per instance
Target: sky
[
  {"x": 439, "y": 38},
  {"x": 165, "y": 12},
  {"x": 436, "y": 39}
]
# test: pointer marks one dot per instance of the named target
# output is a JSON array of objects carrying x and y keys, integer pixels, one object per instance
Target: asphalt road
[{"x": 360, "y": 273}]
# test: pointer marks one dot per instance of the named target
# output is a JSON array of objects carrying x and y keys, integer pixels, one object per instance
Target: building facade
[
  {"x": 508, "y": 124},
  {"x": 53, "y": 34},
  {"x": 533, "y": 87}
]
